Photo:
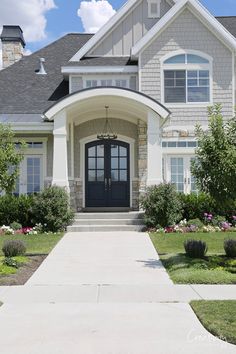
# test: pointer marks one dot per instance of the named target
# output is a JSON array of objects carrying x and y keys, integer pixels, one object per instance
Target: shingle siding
[
  {"x": 187, "y": 32},
  {"x": 129, "y": 31}
]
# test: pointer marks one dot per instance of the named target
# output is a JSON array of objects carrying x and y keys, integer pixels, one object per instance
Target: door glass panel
[
  {"x": 114, "y": 150},
  {"x": 114, "y": 162},
  {"x": 100, "y": 175},
  {"x": 100, "y": 162},
  {"x": 92, "y": 163},
  {"x": 123, "y": 162},
  {"x": 115, "y": 175},
  {"x": 92, "y": 175},
  {"x": 100, "y": 150},
  {"x": 177, "y": 173},
  {"x": 193, "y": 186},
  {"x": 123, "y": 151},
  {"x": 33, "y": 174},
  {"x": 92, "y": 151},
  {"x": 123, "y": 175}
]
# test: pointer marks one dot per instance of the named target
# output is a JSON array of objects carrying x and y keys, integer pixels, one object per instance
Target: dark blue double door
[{"x": 107, "y": 174}]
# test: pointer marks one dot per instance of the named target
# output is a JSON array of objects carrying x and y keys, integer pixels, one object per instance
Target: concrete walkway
[{"x": 105, "y": 294}]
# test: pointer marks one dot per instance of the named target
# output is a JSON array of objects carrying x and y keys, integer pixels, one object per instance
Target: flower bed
[
  {"x": 10, "y": 230},
  {"x": 210, "y": 224}
]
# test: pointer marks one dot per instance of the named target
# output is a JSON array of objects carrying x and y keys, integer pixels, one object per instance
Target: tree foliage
[
  {"x": 215, "y": 166},
  {"x": 10, "y": 159}
]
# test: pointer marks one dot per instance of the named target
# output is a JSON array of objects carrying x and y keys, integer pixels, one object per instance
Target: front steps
[{"x": 103, "y": 222}]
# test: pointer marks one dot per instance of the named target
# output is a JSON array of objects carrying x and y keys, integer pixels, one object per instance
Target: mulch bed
[{"x": 24, "y": 272}]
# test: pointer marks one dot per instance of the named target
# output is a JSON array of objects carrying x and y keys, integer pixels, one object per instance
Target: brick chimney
[{"x": 13, "y": 44}]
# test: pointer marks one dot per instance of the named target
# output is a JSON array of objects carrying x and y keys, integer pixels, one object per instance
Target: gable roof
[
  {"x": 123, "y": 11},
  {"x": 22, "y": 91},
  {"x": 219, "y": 29},
  {"x": 229, "y": 22}
]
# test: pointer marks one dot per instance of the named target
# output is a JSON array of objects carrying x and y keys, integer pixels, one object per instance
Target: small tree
[
  {"x": 215, "y": 166},
  {"x": 10, "y": 158}
]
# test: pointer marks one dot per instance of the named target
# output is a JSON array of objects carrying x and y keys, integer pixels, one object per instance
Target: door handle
[
  {"x": 109, "y": 181},
  {"x": 105, "y": 184}
]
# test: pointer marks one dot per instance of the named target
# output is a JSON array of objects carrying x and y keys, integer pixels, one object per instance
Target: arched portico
[{"x": 84, "y": 112}]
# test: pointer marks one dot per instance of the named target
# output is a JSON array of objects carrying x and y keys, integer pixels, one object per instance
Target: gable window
[
  {"x": 186, "y": 79},
  {"x": 106, "y": 82},
  {"x": 154, "y": 8}
]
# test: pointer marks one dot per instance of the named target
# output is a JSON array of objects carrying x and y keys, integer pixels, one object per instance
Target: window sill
[{"x": 187, "y": 105}]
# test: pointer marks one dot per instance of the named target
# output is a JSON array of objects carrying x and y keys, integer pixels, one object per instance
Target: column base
[{"x": 153, "y": 182}]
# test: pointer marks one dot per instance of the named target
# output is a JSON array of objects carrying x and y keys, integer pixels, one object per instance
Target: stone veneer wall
[
  {"x": 11, "y": 53},
  {"x": 142, "y": 156}
]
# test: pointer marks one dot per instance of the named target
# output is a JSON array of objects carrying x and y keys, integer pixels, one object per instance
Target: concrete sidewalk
[
  {"x": 106, "y": 294},
  {"x": 127, "y": 258}
]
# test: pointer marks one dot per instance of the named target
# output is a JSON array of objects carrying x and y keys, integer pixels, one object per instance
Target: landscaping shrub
[
  {"x": 16, "y": 209},
  {"x": 13, "y": 248},
  {"x": 10, "y": 262},
  {"x": 16, "y": 225},
  {"x": 196, "y": 222},
  {"x": 195, "y": 205},
  {"x": 162, "y": 205},
  {"x": 230, "y": 248},
  {"x": 195, "y": 248},
  {"x": 51, "y": 209}
]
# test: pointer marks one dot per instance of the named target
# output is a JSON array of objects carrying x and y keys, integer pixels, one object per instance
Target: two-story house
[{"x": 106, "y": 115}]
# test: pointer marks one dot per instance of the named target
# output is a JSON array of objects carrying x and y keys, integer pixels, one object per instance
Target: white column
[
  {"x": 60, "y": 168},
  {"x": 154, "y": 149}
]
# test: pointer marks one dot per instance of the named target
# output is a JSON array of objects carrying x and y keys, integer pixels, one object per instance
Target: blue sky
[{"x": 43, "y": 24}]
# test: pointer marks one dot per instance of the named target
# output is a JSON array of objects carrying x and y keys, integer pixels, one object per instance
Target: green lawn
[
  {"x": 35, "y": 244},
  {"x": 214, "y": 269},
  {"x": 218, "y": 317}
]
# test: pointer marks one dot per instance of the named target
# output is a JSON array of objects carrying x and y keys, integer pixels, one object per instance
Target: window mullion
[{"x": 186, "y": 78}]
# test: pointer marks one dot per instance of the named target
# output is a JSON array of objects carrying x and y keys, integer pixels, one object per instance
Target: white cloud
[
  {"x": 29, "y": 14},
  {"x": 94, "y": 14}
]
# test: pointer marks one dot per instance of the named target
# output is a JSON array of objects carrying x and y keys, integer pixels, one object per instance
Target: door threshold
[{"x": 106, "y": 209}]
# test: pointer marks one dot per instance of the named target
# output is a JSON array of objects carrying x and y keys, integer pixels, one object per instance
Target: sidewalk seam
[{"x": 191, "y": 286}]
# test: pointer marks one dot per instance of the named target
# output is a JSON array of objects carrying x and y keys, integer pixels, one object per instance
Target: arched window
[{"x": 187, "y": 78}]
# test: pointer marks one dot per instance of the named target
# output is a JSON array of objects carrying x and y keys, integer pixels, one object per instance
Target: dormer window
[{"x": 154, "y": 8}]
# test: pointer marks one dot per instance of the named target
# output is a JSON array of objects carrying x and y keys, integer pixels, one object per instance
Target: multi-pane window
[
  {"x": 106, "y": 82},
  {"x": 186, "y": 86},
  {"x": 96, "y": 163},
  {"x": 177, "y": 171},
  {"x": 119, "y": 163},
  {"x": 186, "y": 79},
  {"x": 179, "y": 144},
  {"x": 33, "y": 174}
]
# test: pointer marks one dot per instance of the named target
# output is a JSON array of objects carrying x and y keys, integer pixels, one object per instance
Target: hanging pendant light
[{"x": 107, "y": 133}]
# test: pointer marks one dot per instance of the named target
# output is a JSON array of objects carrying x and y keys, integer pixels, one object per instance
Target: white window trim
[
  {"x": 186, "y": 67},
  {"x": 37, "y": 151},
  {"x": 106, "y": 77},
  {"x": 158, "y": 13}
]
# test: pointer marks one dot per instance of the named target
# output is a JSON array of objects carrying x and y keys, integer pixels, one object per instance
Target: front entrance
[{"x": 107, "y": 174}]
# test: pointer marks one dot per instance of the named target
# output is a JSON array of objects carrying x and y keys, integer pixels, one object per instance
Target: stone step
[
  {"x": 107, "y": 216},
  {"x": 118, "y": 222},
  {"x": 105, "y": 228}
]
